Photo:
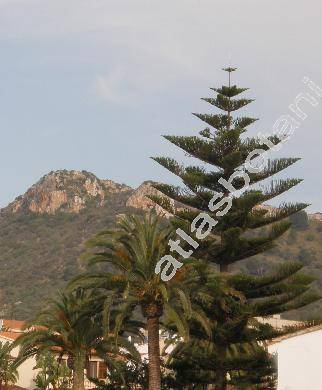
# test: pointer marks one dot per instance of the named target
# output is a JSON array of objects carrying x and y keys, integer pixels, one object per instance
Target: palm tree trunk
[
  {"x": 78, "y": 371},
  {"x": 154, "y": 353}
]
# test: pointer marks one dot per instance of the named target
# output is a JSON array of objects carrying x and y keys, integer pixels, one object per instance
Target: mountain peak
[{"x": 66, "y": 191}]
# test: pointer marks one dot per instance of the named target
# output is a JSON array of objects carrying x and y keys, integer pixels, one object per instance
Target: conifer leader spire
[
  {"x": 237, "y": 347},
  {"x": 222, "y": 148}
]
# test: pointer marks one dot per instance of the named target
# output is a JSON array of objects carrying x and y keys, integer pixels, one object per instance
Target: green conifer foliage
[
  {"x": 236, "y": 351},
  {"x": 222, "y": 148}
]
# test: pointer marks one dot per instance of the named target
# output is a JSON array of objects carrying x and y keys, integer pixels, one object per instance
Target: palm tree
[
  {"x": 69, "y": 327},
  {"x": 8, "y": 365},
  {"x": 130, "y": 254}
]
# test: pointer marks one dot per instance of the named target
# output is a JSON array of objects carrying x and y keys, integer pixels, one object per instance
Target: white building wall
[
  {"x": 27, "y": 374},
  {"x": 25, "y": 370},
  {"x": 300, "y": 362}
]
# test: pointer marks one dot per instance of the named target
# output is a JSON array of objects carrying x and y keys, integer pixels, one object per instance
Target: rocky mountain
[
  {"x": 139, "y": 199},
  {"x": 65, "y": 191},
  {"x": 42, "y": 235},
  {"x": 315, "y": 216}
]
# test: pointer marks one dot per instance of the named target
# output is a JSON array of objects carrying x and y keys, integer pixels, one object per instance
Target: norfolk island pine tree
[{"x": 224, "y": 147}]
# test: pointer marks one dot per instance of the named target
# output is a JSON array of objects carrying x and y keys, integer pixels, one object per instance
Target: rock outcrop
[
  {"x": 71, "y": 191},
  {"x": 315, "y": 216},
  {"x": 139, "y": 199},
  {"x": 66, "y": 191}
]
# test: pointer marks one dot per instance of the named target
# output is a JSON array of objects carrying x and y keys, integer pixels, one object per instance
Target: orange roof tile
[
  {"x": 13, "y": 324},
  {"x": 10, "y": 335}
]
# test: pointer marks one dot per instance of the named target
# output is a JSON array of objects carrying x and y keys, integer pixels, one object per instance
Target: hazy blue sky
[{"x": 91, "y": 84}]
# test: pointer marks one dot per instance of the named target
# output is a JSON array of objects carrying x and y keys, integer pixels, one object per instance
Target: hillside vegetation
[
  {"x": 40, "y": 251},
  {"x": 303, "y": 243}
]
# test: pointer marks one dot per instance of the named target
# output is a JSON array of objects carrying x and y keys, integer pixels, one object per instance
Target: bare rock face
[
  {"x": 114, "y": 188},
  {"x": 139, "y": 199},
  {"x": 315, "y": 216},
  {"x": 72, "y": 191},
  {"x": 67, "y": 191},
  {"x": 270, "y": 209}
]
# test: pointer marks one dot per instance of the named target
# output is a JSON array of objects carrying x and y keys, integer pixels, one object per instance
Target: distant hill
[
  {"x": 303, "y": 243},
  {"x": 42, "y": 235},
  {"x": 43, "y": 231}
]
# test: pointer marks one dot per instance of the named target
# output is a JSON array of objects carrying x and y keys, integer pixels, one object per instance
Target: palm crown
[
  {"x": 131, "y": 253},
  {"x": 127, "y": 258},
  {"x": 73, "y": 326}
]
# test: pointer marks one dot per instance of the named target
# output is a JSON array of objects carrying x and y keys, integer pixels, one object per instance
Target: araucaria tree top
[{"x": 226, "y": 184}]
